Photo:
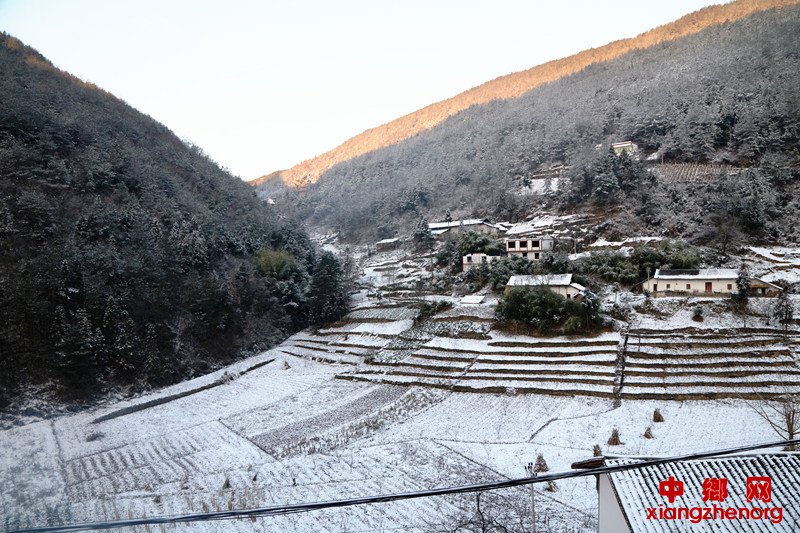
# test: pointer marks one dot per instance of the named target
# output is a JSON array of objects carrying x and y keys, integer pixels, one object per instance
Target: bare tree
[{"x": 783, "y": 416}]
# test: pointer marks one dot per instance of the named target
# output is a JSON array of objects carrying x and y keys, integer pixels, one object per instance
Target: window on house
[
  {"x": 655, "y": 287},
  {"x": 730, "y": 286},
  {"x": 483, "y": 258},
  {"x": 469, "y": 259},
  {"x": 688, "y": 286},
  {"x": 538, "y": 244},
  {"x": 668, "y": 285},
  {"x": 536, "y": 255}
]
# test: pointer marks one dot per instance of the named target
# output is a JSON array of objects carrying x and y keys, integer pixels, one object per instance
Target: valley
[{"x": 383, "y": 402}]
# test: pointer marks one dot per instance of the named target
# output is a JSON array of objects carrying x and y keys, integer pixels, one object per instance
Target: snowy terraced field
[
  {"x": 281, "y": 435},
  {"x": 505, "y": 363},
  {"x": 711, "y": 364},
  {"x": 324, "y": 416}
]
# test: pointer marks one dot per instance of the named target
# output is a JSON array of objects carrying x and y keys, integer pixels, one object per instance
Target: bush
[
  {"x": 279, "y": 264},
  {"x": 501, "y": 271},
  {"x": 614, "y": 439},
  {"x": 472, "y": 242},
  {"x": 541, "y": 464},
  {"x": 657, "y": 416},
  {"x": 428, "y": 309},
  {"x": 597, "y": 451},
  {"x": 628, "y": 269},
  {"x": 648, "y": 433},
  {"x": 548, "y": 312}
]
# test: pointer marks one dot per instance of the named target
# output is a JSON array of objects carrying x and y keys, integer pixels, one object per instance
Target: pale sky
[{"x": 263, "y": 85}]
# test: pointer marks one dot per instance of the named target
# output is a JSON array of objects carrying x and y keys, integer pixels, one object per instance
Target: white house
[
  {"x": 529, "y": 247},
  {"x": 631, "y": 501},
  {"x": 480, "y": 225},
  {"x": 558, "y": 283},
  {"x": 470, "y": 261},
  {"x": 627, "y": 147},
  {"x": 704, "y": 282}
]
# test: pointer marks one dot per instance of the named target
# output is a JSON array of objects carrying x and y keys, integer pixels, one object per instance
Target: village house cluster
[
  {"x": 532, "y": 246},
  {"x": 532, "y": 242}
]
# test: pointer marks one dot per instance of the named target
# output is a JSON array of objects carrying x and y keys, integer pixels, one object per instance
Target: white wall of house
[
  {"x": 533, "y": 256},
  {"x": 530, "y": 248},
  {"x": 470, "y": 261},
  {"x": 609, "y": 517},
  {"x": 566, "y": 291},
  {"x": 692, "y": 286}
]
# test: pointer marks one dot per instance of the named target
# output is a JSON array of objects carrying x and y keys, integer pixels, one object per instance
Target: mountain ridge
[{"x": 511, "y": 86}]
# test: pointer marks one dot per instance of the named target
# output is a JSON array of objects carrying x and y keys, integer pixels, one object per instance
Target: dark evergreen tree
[
  {"x": 329, "y": 300},
  {"x": 742, "y": 285},
  {"x": 423, "y": 238},
  {"x": 783, "y": 310}
]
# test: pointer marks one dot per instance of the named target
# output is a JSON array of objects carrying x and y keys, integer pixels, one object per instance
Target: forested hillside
[
  {"x": 727, "y": 94},
  {"x": 512, "y": 86},
  {"x": 128, "y": 258}
]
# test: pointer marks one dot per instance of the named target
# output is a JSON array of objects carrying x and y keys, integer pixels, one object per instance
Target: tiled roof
[{"x": 638, "y": 489}]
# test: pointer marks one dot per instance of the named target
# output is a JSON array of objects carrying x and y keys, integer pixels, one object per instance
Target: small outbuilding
[
  {"x": 470, "y": 261},
  {"x": 387, "y": 244},
  {"x": 626, "y": 147}
]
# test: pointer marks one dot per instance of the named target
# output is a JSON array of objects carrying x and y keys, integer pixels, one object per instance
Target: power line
[{"x": 464, "y": 489}]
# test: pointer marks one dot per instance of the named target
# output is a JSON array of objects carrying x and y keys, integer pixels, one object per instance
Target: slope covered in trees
[
  {"x": 727, "y": 94},
  {"x": 513, "y": 86},
  {"x": 126, "y": 256}
]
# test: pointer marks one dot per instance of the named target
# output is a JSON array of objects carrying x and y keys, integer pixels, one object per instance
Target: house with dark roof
[{"x": 729, "y": 494}]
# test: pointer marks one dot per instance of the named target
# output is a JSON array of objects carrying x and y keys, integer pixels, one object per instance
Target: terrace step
[{"x": 518, "y": 387}]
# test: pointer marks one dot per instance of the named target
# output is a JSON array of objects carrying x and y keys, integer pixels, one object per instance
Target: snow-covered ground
[
  {"x": 287, "y": 435},
  {"x": 370, "y": 405}
]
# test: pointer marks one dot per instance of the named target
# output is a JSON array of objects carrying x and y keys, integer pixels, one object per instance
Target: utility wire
[{"x": 463, "y": 489}]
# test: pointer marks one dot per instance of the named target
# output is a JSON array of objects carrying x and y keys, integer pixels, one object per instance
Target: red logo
[
  {"x": 715, "y": 489},
  {"x": 759, "y": 488},
  {"x": 671, "y": 488}
]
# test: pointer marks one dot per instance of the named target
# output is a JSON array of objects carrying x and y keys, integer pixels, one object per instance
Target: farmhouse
[
  {"x": 456, "y": 227},
  {"x": 387, "y": 244},
  {"x": 558, "y": 283},
  {"x": 626, "y": 147},
  {"x": 470, "y": 261},
  {"x": 761, "y": 490},
  {"x": 759, "y": 287},
  {"x": 704, "y": 282},
  {"x": 529, "y": 247}
]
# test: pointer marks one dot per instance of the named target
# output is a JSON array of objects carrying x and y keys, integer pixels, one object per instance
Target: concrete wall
[
  {"x": 528, "y": 247},
  {"x": 470, "y": 261},
  {"x": 565, "y": 291},
  {"x": 691, "y": 286},
  {"x": 609, "y": 517}
]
